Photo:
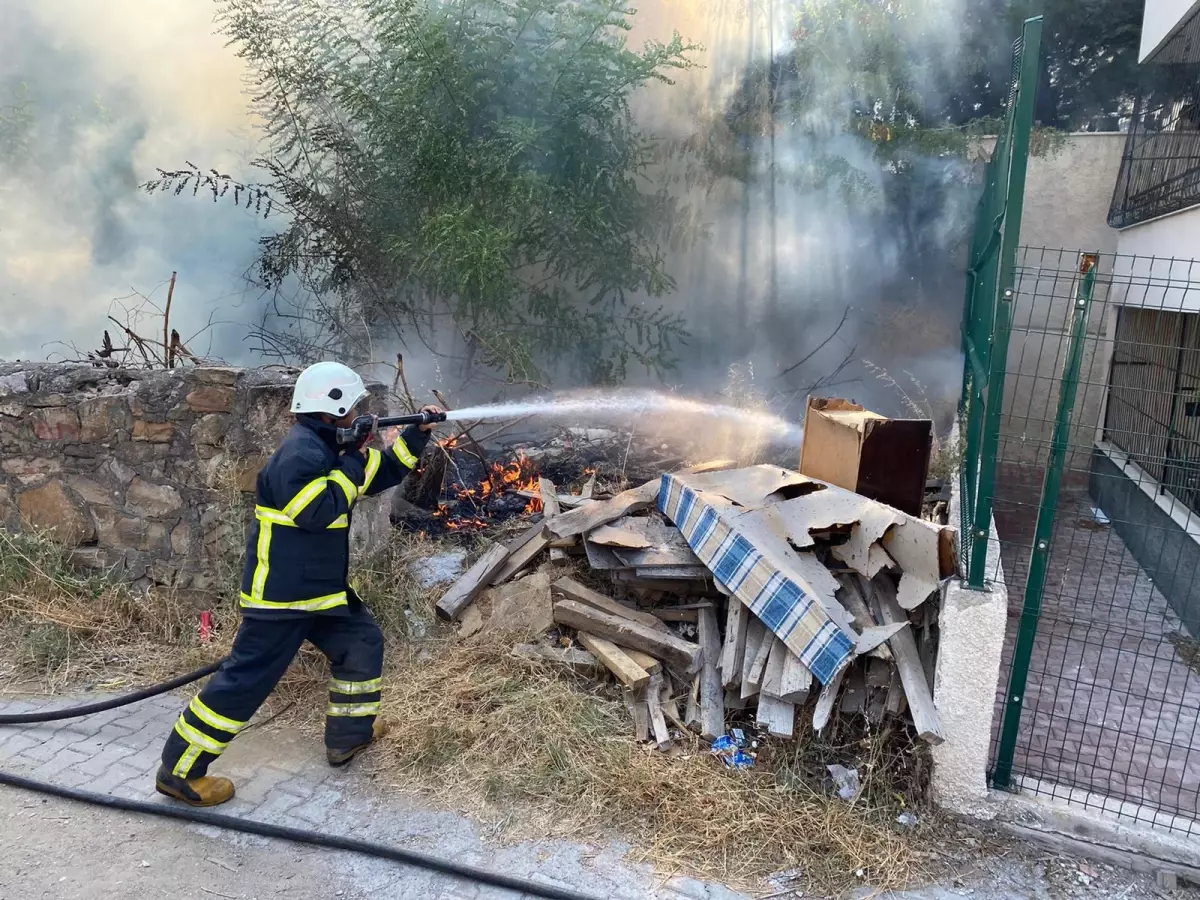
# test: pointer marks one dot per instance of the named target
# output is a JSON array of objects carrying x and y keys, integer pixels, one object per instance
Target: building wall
[
  {"x": 1157, "y": 266},
  {"x": 142, "y": 472},
  {"x": 1067, "y": 198},
  {"x": 1067, "y": 194},
  {"x": 1159, "y": 20},
  {"x": 1167, "y": 550}
]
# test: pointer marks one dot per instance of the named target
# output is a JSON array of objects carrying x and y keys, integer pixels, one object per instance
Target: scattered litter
[
  {"x": 1099, "y": 517},
  {"x": 443, "y": 568},
  {"x": 144, "y": 864},
  {"x": 846, "y": 781},
  {"x": 728, "y": 751},
  {"x": 907, "y": 819}
]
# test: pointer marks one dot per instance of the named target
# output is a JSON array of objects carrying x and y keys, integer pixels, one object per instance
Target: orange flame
[{"x": 519, "y": 475}]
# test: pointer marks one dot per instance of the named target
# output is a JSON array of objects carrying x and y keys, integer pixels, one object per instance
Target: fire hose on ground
[{"x": 250, "y": 826}]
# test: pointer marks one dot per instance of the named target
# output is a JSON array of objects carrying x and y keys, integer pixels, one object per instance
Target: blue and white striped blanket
[{"x": 780, "y": 602}]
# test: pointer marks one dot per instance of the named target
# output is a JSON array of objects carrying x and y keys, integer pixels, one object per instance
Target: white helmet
[{"x": 328, "y": 387}]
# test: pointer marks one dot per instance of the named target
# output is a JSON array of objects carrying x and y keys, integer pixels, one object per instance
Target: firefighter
[{"x": 295, "y": 588}]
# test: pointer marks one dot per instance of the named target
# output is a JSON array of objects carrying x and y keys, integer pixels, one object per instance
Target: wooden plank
[
  {"x": 564, "y": 543},
  {"x": 615, "y": 660},
  {"x": 752, "y": 672},
  {"x": 589, "y": 488},
  {"x": 654, "y": 557},
  {"x": 777, "y": 716},
  {"x": 928, "y": 647},
  {"x": 796, "y": 681},
  {"x": 734, "y": 699},
  {"x": 756, "y": 633},
  {"x": 593, "y": 515},
  {"x": 896, "y": 703},
  {"x": 603, "y": 558},
  {"x": 879, "y": 680},
  {"x": 854, "y": 693},
  {"x": 826, "y": 700},
  {"x": 773, "y": 675},
  {"x": 472, "y": 584},
  {"x": 670, "y": 572},
  {"x": 670, "y": 704},
  {"x": 549, "y": 498},
  {"x": 713, "y": 465},
  {"x": 522, "y": 551},
  {"x": 550, "y": 509},
  {"x": 692, "y": 716},
  {"x": 570, "y": 589},
  {"x": 711, "y": 695},
  {"x": 908, "y": 662},
  {"x": 859, "y": 599},
  {"x": 734, "y": 650},
  {"x": 674, "y": 651},
  {"x": 645, "y": 660},
  {"x": 658, "y": 723},
  {"x": 638, "y": 712},
  {"x": 851, "y": 597},
  {"x": 680, "y": 587},
  {"x": 675, "y": 614},
  {"x": 580, "y": 661}
]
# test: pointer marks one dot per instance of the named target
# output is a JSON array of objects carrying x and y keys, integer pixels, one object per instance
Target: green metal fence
[
  {"x": 988, "y": 314},
  {"x": 1081, "y": 491}
]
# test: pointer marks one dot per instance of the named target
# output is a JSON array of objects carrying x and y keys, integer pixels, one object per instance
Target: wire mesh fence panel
[{"x": 1099, "y": 702}]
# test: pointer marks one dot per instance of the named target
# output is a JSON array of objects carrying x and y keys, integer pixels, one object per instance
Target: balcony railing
[{"x": 1160, "y": 169}]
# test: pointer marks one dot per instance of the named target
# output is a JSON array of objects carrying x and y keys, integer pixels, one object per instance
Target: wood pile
[{"x": 614, "y": 587}]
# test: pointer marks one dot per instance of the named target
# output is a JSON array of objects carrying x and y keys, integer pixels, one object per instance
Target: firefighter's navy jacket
[{"x": 298, "y": 554}]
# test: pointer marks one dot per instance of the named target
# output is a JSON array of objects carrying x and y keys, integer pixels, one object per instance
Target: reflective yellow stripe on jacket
[
  {"x": 316, "y": 604},
  {"x": 374, "y": 460},
  {"x": 268, "y": 518},
  {"x": 403, "y": 453}
]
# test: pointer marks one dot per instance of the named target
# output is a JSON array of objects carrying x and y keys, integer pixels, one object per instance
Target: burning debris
[
  {"x": 723, "y": 601},
  {"x": 461, "y": 487}
]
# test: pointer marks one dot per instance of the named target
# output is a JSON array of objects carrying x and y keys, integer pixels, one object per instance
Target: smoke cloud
[
  {"x": 110, "y": 91},
  {"x": 94, "y": 96},
  {"x": 788, "y": 257}
]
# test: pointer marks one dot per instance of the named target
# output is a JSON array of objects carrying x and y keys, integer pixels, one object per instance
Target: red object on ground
[{"x": 206, "y": 627}]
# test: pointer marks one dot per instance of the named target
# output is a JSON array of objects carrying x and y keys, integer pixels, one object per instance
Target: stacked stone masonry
[{"x": 138, "y": 471}]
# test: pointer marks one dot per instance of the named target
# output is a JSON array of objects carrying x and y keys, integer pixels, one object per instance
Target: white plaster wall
[
  {"x": 1160, "y": 20},
  {"x": 1067, "y": 197},
  {"x": 1157, "y": 266}
]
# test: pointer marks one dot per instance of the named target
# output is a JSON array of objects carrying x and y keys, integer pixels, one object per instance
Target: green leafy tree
[{"x": 470, "y": 165}]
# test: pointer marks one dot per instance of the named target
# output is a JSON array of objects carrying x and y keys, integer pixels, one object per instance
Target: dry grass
[
  {"x": 58, "y": 626},
  {"x": 487, "y": 733}
]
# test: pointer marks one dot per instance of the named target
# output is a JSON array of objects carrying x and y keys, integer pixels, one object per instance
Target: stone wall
[{"x": 141, "y": 472}]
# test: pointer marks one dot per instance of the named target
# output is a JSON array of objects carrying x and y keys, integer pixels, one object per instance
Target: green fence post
[
  {"x": 1044, "y": 532},
  {"x": 1018, "y": 163}
]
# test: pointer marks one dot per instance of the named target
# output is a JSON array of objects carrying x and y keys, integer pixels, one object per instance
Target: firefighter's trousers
[{"x": 262, "y": 651}]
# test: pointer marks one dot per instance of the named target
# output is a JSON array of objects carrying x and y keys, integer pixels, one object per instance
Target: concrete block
[{"x": 972, "y": 627}]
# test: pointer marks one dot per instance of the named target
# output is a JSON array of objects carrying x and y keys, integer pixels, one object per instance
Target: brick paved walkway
[
  {"x": 282, "y": 778},
  {"x": 1111, "y": 708}
]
